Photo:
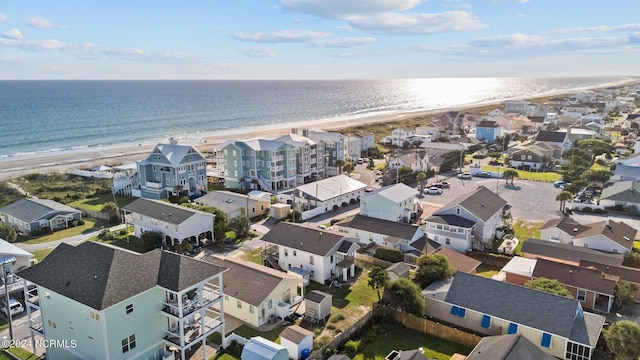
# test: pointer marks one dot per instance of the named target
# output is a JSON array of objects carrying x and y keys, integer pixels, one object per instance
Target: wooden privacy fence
[
  {"x": 360, "y": 258},
  {"x": 95, "y": 214},
  {"x": 342, "y": 337},
  {"x": 436, "y": 329}
]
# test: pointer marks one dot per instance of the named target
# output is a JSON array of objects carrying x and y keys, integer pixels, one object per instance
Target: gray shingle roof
[
  {"x": 30, "y": 210},
  {"x": 384, "y": 227},
  {"x": 295, "y": 333},
  {"x": 161, "y": 210},
  {"x": 248, "y": 282},
  {"x": 540, "y": 310},
  {"x": 317, "y": 296},
  {"x": 575, "y": 276},
  {"x": 454, "y": 220},
  {"x": 618, "y": 232},
  {"x": 100, "y": 276},
  {"x": 537, "y": 247},
  {"x": 625, "y": 191},
  {"x": 507, "y": 347},
  {"x": 550, "y": 136},
  {"x": 319, "y": 242},
  {"x": 482, "y": 203}
]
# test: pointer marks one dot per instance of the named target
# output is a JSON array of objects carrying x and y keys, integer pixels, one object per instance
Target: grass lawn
[
  {"x": 395, "y": 336},
  {"x": 20, "y": 353},
  {"x": 254, "y": 256},
  {"x": 90, "y": 225},
  {"x": 636, "y": 244},
  {"x": 524, "y": 230},
  {"x": 598, "y": 167},
  {"x": 487, "y": 270},
  {"x": 132, "y": 243},
  {"x": 95, "y": 202},
  {"x": 527, "y": 175},
  {"x": 41, "y": 254}
]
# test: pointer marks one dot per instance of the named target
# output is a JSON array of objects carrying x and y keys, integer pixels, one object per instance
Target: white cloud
[
  {"x": 282, "y": 36},
  {"x": 39, "y": 22},
  {"x": 423, "y": 23},
  {"x": 259, "y": 51},
  {"x": 3, "y": 18},
  {"x": 14, "y": 34},
  {"x": 344, "y": 43},
  {"x": 336, "y": 9},
  {"x": 387, "y": 16},
  {"x": 521, "y": 15},
  {"x": 601, "y": 28}
]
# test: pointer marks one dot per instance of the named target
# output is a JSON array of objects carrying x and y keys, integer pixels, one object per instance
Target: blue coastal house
[
  {"x": 172, "y": 169},
  {"x": 34, "y": 215},
  {"x": 488, "y": 130}
]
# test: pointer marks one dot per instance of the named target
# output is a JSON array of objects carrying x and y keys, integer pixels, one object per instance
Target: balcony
[
  {"x": 191, "y": 306},
  {"x": 191, "y": 332},
  {"x": 153, "y": 185}
]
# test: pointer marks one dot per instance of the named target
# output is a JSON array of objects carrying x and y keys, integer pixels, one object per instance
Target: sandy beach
[{"x": 64, "y": 161}]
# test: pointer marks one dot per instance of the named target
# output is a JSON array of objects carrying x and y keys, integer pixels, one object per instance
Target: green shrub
[
  {"x": 329, "y": 351},
  {"x": 123, "y": 232},
  {"x": 352, "y": 347},
  {"x": 336, "y": 317},
  {"x": 391, "y": 255},
  {"x": 587, "y": 209},
  {"x": 599, "y": 211},
  {"x": 331, "y": 326}
]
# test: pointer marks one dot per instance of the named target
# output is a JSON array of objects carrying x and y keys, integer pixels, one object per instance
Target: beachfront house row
[
  {"x": 390, "y": 234},
  {"x": 593, "y": 288},
  {"x": 522, "y": 107},
  {"x": 30, "y": 215},
  {"x": 105, "y": 300},
  {"x": 555, "y": 324},
  {"x": 327, "y": 194},
  {"x": 171, "y": 170},
  {"x": 397, "y": 202},
  {"x": 353, "y": 147},
  {"x": 367, "y": 139},
  {"x": 176, "y": 223},
  {"x": 467, "y": 222},
  {"x": 606, "y": 235},
  {"x": 324, "y": 254},
  {"x": 310, "y": 156},
  {"x": 257, "y": 294},
  {"x": 252, "y": 204},
  {"x": 402, "y": 136}
]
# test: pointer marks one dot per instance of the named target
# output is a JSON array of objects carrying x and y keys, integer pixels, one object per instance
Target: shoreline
[{"x": 86, "y": 157}]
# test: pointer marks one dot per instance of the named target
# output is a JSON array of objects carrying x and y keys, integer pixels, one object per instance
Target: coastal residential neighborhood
[{"x": 508, "y": 231}]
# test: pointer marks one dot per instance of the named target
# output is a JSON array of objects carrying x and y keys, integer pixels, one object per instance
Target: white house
[
  {"x": 320, "y": 196},
  {"x": 176, "y": 223},
  {"x": 256, "y": 294},
  {"x": 397, "y": 202},
  {"x": 105, "y": 300},
  {"x": 323, "y": 253},
  {"x": 606, "y": 235},
  {"x": 391, "y": 234},
  {"x": 417, "y": 161},
  {"x": 467, "y": 222},
  {"x": 235, "y": 204},
  {"x": 367, "y": 138},
  {"x": 401, "y": 135}
]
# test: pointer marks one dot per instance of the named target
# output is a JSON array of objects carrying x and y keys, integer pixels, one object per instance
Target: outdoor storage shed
[
  {"x": 259, "y": 348},
  {"x": 298, "y": 341},
  {"x": 317, "y": 305}
]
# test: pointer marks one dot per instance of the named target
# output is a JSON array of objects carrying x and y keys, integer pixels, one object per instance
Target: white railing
[{"x": 153, "y": 185}]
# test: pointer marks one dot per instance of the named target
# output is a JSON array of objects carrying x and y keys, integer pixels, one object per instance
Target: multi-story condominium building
[
  {"x": 335, "y": 148},
  {"x": 172, "y": 169},
  {"x": 97, "y": 301},
  {"x": 269, "y": 164},
  {"x": 310, "y": 159}
]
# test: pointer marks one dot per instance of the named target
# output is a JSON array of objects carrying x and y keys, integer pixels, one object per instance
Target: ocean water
[{"x": 48, "y": 116}]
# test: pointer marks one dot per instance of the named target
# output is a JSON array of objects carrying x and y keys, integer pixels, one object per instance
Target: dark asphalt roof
[
  {"x": 317, "y": 296},
  {"x": 507, "y": 347},
  {"x": 550, "y": 136},
  {"x": 380, "y": 226},
  {"x": 566, "y": 252},
  {"x": 315, "y": 241},
  {"x": 30, "y": 210},
  {"x": 100, "y": 276},
  {"x": 454, "y": 220},
  {"x": 161, "y": 210},
  {"x": 482, "y": 203},
  {"x": 575, "y": 276}
]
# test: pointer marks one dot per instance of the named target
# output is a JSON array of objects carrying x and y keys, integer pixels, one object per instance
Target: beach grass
[
  {"x": 96, "y": 201},
  {"x": 90, "y": 225}
]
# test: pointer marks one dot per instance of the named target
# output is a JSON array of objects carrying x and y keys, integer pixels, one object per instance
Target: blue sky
[{"x": 317, "y": 39}]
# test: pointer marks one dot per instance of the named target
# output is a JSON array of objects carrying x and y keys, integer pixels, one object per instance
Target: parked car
[
  {"x": 559, "y": 183},
  {"x": 14, "y": 305},
  {"x": 484, "y": 174},
  {"x": 495, "y": 163},
  {"x": 465, "y": 176},
  {"x": 441, "y": 185},
  {"x": 433, "y": 190}
]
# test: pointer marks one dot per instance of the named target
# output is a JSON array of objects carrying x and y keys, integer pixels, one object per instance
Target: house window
[
  {"x": 546, "y": 340},
  {"x": 577, "y": 352},
  {"x": 582, "y": 295},
  {"x": 486, "y": 321},
  {"x": 251, "y": 309},
  {"x": 128, "y": 343},
  {"x": 310, "y": 259},
  {"x": 513, "y": 328},
  {"x": 295, "y": 253},
  {"x": 270, "y": 304},
  {"x": 331, "y": 259},
  {"x": 448, "y": 241},
  {"x": 239, "y": 304},
  {"x": 522, "y": 157},
  {"x": 226, "y": 297},
  {"x": 129, "y": 308},
  {"x": 458, "y": 311},
  {"x": 52, "y": 324},
  {"x": 153, "y": 167},
  {"x": 286, "y": 252},
  {"x": 529, "y": 157}
]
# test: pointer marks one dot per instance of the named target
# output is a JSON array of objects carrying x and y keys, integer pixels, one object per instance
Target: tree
[
  {"x": 451, "y": 160},
  {"x": 339, "y": 164},
  {"x": 551, "y": 286},
  {"x": 510, "y": 174},
  {"x": 8, "y": 233},
  {"x": 348, "y": 167},
  {"x": 240, "y": 225},
  {"x": 114, "y": 213},
  {"x": 378, "y": 279},
  {"x": 151, "y": 240},
  {"x": 563, "y": 197},
  {"x": 624, "y": 293},
  {"x": 219, "y": 221},
  {"x": 431, "y": 268},
  {"x": 622, "y": 340},
  {"x": 404, "y": 294},
  {"x": 421, "y": 177}
]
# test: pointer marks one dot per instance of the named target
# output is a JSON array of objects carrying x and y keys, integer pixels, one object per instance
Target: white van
[{"x": 14, "y": 305}]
